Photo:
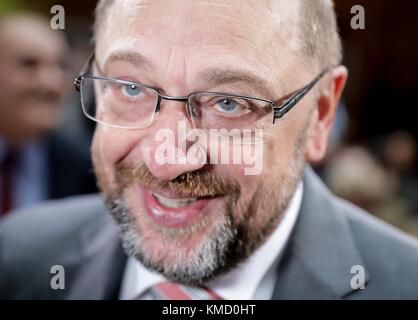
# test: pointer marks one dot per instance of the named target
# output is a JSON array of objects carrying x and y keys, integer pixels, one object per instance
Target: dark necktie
[{"x": 6, "y": 182}]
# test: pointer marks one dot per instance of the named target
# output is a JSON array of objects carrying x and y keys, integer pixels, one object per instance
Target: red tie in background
[
  {"x": 176, "y": 291},
  {"x": 6, "y": 183}
]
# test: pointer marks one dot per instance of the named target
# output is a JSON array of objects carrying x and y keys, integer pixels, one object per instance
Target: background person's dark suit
[
  {"x": 49, "y": 168},
  {"x": 329, "y": 238},
  {"x": 70, "y": 169}
]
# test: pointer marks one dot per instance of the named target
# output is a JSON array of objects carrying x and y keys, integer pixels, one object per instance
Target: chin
[
  {"x": 191, "y": 254},
  {"x": 167, "y": 233}
]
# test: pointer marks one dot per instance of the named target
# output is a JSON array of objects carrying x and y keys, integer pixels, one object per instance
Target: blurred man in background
[{"x": 35, "y": 163}]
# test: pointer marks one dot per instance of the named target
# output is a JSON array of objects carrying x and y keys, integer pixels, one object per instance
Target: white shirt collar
[{"x": 252, "y": 279}]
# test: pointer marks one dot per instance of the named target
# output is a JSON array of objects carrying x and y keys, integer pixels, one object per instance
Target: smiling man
[{"x": 260, "y": 78}]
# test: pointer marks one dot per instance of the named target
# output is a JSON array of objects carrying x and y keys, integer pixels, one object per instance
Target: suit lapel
[
  {"x": 319, "y": 256},
  {"x": 101, "y": 269}
]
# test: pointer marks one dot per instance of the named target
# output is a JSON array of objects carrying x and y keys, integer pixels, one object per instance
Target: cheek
[
  {"x": 261, "y": 191},
  {"x": 249, "y": 185},
  {"x": 13, "y": 96},
  {"x": 277, "y": 153},
  {"x": 109, "y": 146},
  {"x": 287, "y": 133}
]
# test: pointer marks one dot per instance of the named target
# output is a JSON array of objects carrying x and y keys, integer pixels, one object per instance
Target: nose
[
  {"x": 52, "y": 79},
  {"x": 168, "y": 150}
]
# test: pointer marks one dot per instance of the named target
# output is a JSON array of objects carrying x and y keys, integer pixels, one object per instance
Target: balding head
[{"x": 318, "y": 38}]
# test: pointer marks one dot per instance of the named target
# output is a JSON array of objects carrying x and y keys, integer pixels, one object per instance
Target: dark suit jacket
[
  {"x": 330, "y": 237},
  {"x": 69, "y": 168}
]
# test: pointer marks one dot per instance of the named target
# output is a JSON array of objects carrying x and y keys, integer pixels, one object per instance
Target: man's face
[
  {"x": 32, "y": 77},
  {"x": 194, "y": 221}
]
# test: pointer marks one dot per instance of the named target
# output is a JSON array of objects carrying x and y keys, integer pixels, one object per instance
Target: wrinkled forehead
[
  {"x": 203, "y": 22},
  {"x": 261, "y": 31}
]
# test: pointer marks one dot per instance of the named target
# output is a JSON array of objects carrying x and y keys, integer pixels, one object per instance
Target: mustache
[{"x": 200, "y": 183}]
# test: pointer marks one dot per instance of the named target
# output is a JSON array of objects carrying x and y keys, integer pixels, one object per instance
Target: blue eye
[
  {"x": 131, "y": 90},
  {"x": 228, "y": 105}
]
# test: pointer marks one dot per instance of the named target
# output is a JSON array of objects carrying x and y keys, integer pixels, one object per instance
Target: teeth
[{"x": 173, "y": 203}]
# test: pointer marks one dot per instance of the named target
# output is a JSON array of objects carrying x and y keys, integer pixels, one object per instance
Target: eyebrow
[
  {"x": 221, "y": 76},
  {"x": 215, "y": 76},
  {"x": 131, "y": 57}
]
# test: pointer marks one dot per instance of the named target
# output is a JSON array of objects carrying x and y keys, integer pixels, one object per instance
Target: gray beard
[
  {"x": 209, "y": 258},
  {"x": 226, "y": 246},
  {"x": 229, "y": 243}
]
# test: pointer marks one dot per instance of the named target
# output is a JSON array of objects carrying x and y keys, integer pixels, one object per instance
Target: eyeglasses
[{"x": 133, "y": 105}]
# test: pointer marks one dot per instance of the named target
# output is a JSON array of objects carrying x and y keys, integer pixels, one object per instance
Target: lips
[
  {"x": 173, "y": 203},
  {"x": 173, "y": 210}
]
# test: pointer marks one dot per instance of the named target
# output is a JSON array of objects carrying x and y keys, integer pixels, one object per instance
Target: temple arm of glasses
[
  {"x": 288, "y": 104},
  {"x": 84, "y": 70}
]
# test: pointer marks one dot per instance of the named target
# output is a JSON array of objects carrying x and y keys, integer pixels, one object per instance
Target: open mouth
[
  {"x": 171, "y": 210},
  {"x": 173, "y": 203}
]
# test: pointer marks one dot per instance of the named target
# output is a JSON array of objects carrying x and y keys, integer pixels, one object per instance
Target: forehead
[
  {"x": 166, "y": 17},
  {"x": 228, "y": 25},
  {"x": 23, "y": 36},
  {"x": 257, "y": 35}
]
